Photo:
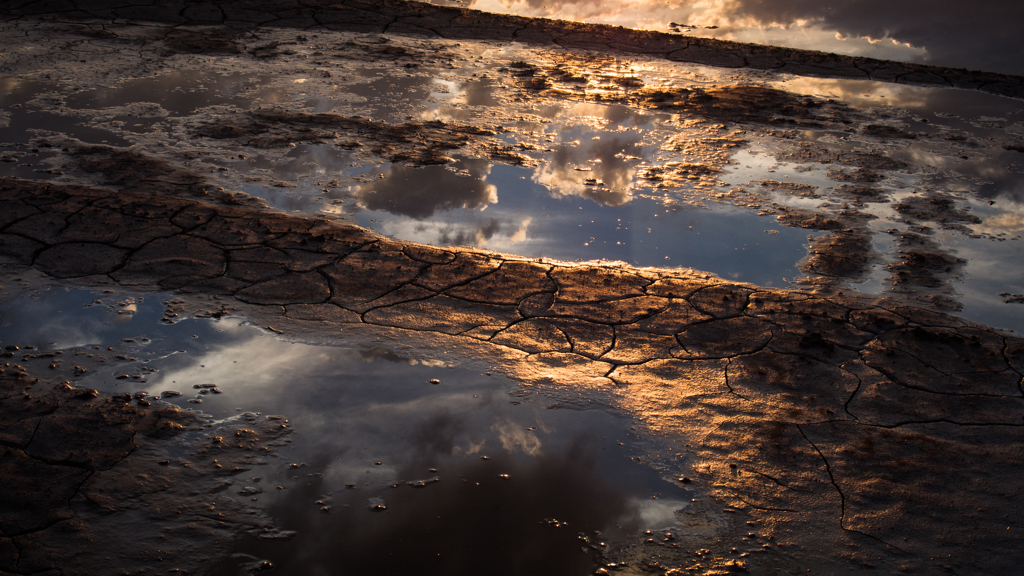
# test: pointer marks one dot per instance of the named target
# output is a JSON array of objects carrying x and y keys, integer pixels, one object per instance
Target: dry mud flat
[{"x": 835, "y": 433}]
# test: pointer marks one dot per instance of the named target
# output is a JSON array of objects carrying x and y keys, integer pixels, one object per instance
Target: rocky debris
[{"x": 78, "y": 469}]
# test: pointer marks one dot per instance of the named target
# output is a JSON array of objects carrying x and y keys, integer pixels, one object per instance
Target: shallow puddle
[
  {"x": 571, "y": 162},
  {"x": 396, "y": 465},
  {"x": 508, "y": 212}
]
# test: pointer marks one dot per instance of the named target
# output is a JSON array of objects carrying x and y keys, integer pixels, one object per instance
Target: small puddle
[
  {"x": 397, "y": 465},
  {"x": 181, "y": 93},
  {"x": 501, "y": 208}
]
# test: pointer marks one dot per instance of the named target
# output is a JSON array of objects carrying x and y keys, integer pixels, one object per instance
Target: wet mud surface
[
  {"x": 759, "y": 379},
  {"x": 812, "y": 426},
  {"x": 80, "y": 467}
]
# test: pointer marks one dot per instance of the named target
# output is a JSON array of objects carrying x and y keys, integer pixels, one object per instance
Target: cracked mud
[
  {"x": 832, "y": 431},
  {"x": 811, "y": 411}
]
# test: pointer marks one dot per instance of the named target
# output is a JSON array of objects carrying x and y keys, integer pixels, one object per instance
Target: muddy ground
[{"x": 834, "y": 432}]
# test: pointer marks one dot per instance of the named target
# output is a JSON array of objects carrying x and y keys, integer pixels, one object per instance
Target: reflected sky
[
  {"x": 531, "y": 221},
  {"x": 600, "y": 168},
  {"x": 180, "y": 92},
  {"x": 472, "y": 477},
  {"x": 419, "y": 192},
  {"x": 564, "y": 177},
  {"x": 977, "y": 35}
]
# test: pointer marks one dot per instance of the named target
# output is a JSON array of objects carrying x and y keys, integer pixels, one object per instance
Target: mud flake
[
  {"x": 177, "y": 256},
  {"x": 775, "y": 468},
  {"x": 721, "y": 301},
  {"x": 19, "y": 248},
  {"x": 231, "y": 231},
  {"x": 881, "y": 402},
  {"x": 464, "y": 269},
  {"x": 675, "y": 287},
  {"x": 36, "y": 494},
  {"x": 633, "y": 345},
  {"x": 79, "y": 259},
  {"x": 679, "y": 315},
  {"x": 254, "y": 271},
  {"x": 666, "y": 382},
  {"x": 441, "y": 314},
  {"x": 290, "y": 288},
  {"x": 509, "y": 284},
  {"x": 593, "y": 284},
  {"x": 839, "y": 255},
  {"x": 321, "y": 313},
  {"x": 533, "y": 336},
  {"x": 796, "y": 387},
  {"x": 362, "y": 277},
  {"x": 588, "y": 339},
  {"x": 724, "y": 338},
  {"x": 892, "y": 479},
  {"x": 44, "y": 227},
  {"x": 624, "y": 311}
]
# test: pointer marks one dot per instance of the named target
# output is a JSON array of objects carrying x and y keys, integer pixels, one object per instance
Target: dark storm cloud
[
  {"x": 983, "y": 34},
  {"x": 420, "y": 192},
  {"x": 484, "y": 231}
]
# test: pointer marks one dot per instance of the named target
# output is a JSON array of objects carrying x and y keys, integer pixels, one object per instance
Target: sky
[{"x": 980, "y": 34}]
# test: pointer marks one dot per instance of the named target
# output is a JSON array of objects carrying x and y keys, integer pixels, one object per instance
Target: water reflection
[
  {"x": 54, "y": 318},
  {"x": 180, "y": 92},
  {"x": 419, "y": 192},
  {"x": 600, "y": 169},
  {"x": 391, "y": 94},
  {"x": 480, "y": 92},
  {"x": 531, "y": 221},
  {"x": 471, "y": 522},
  {"x": 397, "y": 466},
  {"x": 944, "y": 32}
]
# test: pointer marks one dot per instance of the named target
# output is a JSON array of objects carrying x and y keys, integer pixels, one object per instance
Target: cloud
[
  {"x": 420, "y": 192},
  {"x": 977, "y": 35},
  {"x": 594, "y": 169}
]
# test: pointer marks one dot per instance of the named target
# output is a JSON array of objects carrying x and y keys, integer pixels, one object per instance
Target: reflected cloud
[
  {"x": 451, "y": 236},
  {"x": 390, "y": 94},
  {"x": 520, "y": 234},
  {"x": 420, "y": 192},
  {"x": 480, "y": 92},
  {"x": 599, "y": 170},
  {"x": 514, "y": 438},
  {"x": 437, "y": 434},
  {"x": 656, "y": 514},
  {"x": 181, "y": 92},
  {"x": 470, "y": 522}
]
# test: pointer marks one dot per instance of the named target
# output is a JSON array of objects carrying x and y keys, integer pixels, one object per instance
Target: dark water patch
[
  {"x": 16, "y": 92},
  {"x": 180, "y": 93},
  {"x": 392, "y": 94},
  {"x": 26, "y": 124},
  {"x": 398, "y": 465},
  {"x": 421, "y": 192}
]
